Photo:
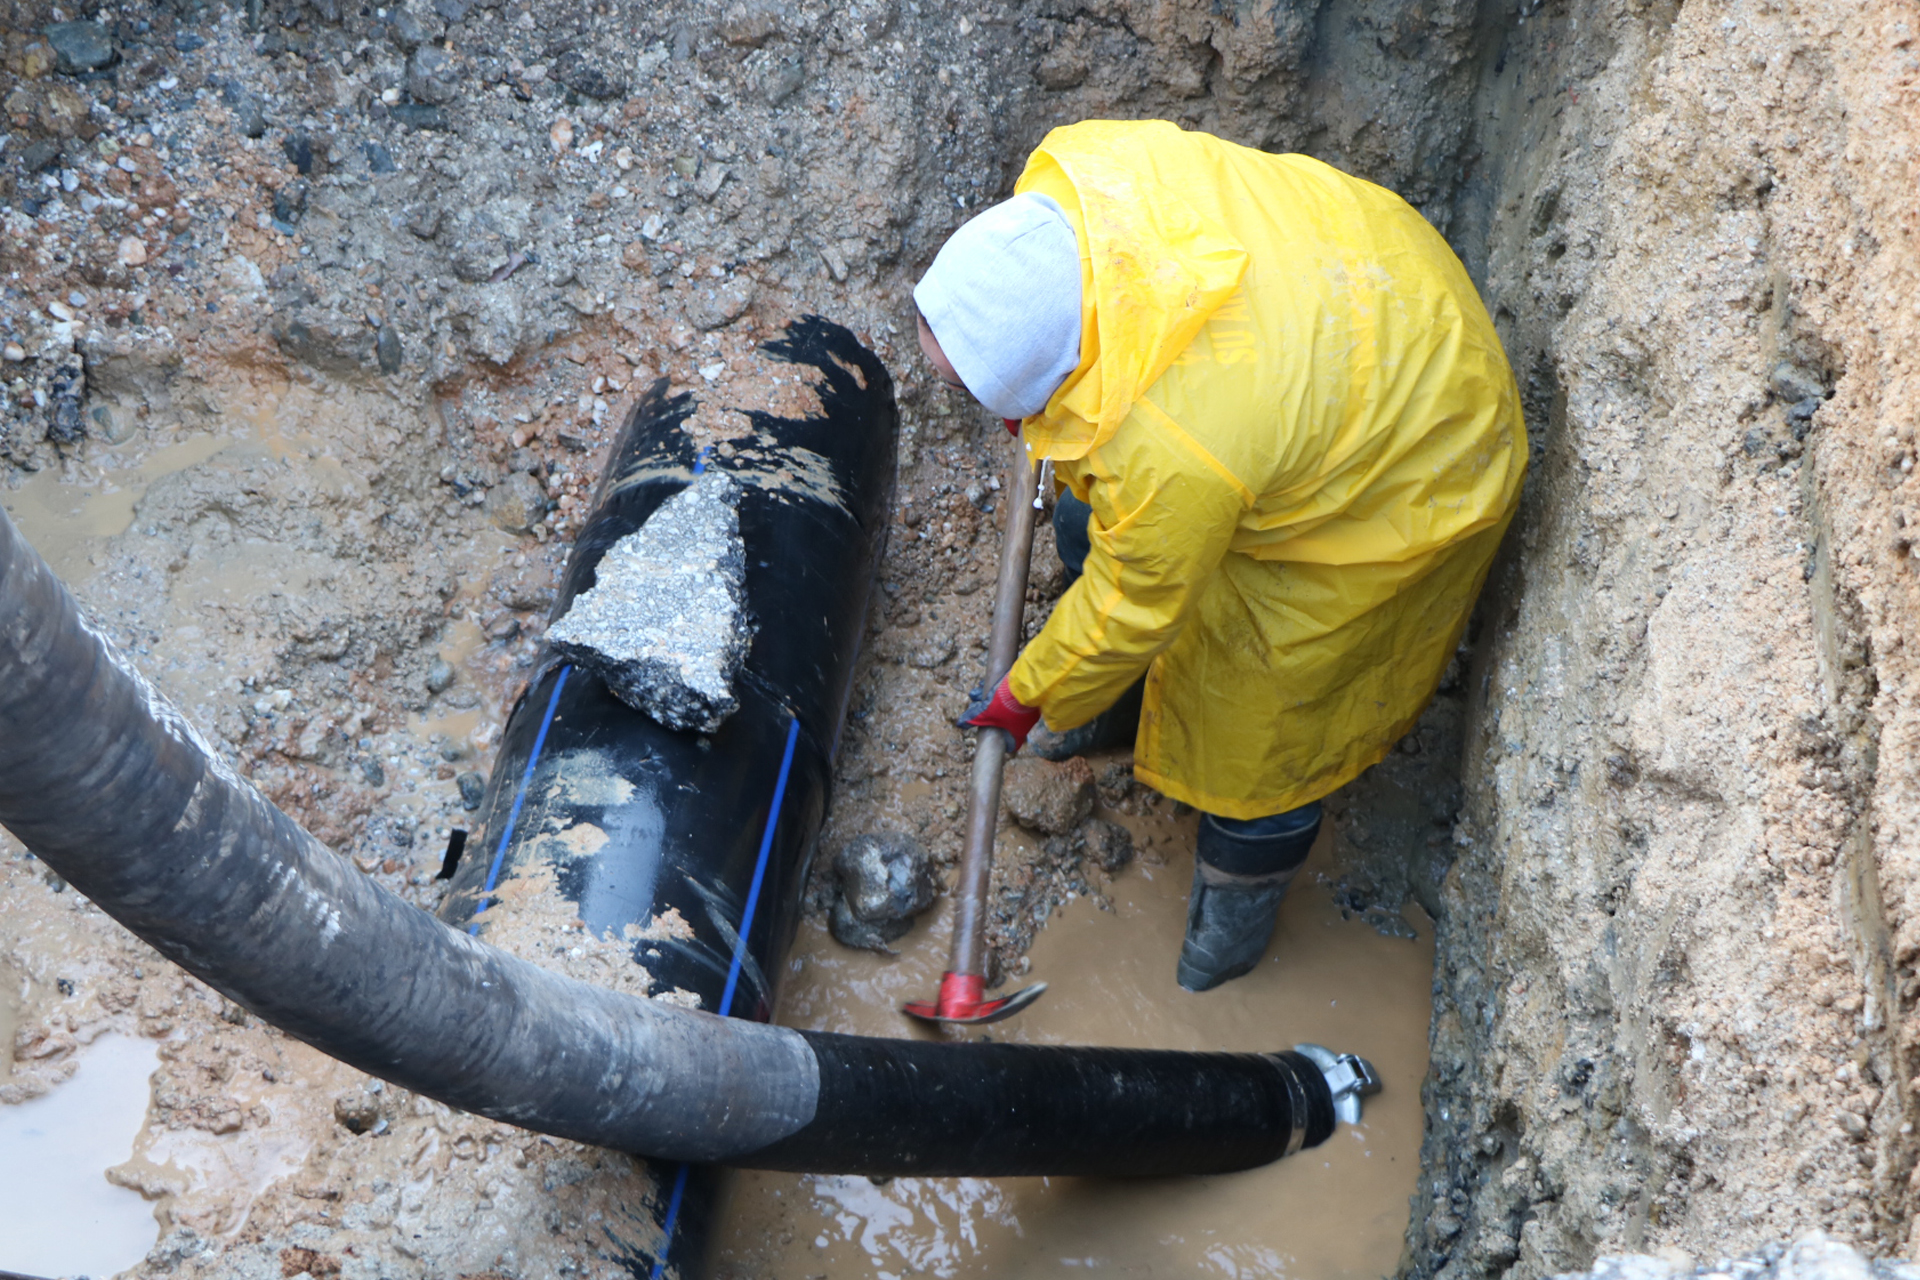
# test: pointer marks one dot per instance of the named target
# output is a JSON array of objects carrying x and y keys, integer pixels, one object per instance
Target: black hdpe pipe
[{"x": 110, "y": 786}]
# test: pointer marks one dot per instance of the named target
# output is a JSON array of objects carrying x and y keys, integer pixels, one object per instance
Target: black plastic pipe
[{"x": 104, "y": 781}]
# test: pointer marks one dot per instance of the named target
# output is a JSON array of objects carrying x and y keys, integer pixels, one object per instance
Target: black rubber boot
[{"x": 1241, "y": 871}]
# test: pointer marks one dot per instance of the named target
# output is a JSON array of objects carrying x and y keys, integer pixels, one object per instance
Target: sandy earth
[
  {"x": 315, "y": 340},
  {"x": 1677, "y": 957}
]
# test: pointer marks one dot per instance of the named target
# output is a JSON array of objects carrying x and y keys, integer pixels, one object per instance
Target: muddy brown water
[
  {"x": 1338, "y": 1210},
  {"x": 59, "y": 1215}
]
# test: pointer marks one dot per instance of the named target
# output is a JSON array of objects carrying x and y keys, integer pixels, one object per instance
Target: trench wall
[{"x": 1676, "y": 943}]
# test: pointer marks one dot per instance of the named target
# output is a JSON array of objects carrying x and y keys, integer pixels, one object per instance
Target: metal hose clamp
[
  {"x": 1349, "y": 1078},
  {"x": 1297, "y": 1108}
]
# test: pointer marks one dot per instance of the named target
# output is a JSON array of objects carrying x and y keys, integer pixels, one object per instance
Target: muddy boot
[
  {"x": 1241, "y": 871},
  {"x": 1115, "y": 727}
]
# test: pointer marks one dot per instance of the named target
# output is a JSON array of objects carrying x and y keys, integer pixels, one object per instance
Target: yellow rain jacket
[{"x": 1301, "y": 443}]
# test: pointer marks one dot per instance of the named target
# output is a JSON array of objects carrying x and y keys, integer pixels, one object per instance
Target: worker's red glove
[
  {"x": 1006, "y": 712},
  {"x": 1013, "y": 426}
]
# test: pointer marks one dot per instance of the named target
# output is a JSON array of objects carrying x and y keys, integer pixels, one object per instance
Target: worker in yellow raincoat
[{"x": 1290, "y": 443}]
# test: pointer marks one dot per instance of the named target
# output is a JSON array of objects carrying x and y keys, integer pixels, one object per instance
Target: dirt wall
[{"x": 1676, "y": 980}]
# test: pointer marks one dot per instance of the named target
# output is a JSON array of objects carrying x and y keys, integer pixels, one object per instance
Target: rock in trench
[
  {"x": 517, "y": 503},
  {"x": 1050, "y": 798},
  {"x": 886, "y": 879},
  {"x": 665, "y": 623},
  {"x": 1108, "y": 845},
  {"x": 81, "y": 46}
]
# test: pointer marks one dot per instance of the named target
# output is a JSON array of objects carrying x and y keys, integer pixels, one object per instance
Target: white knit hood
[{"x": 1003, "y": 300}]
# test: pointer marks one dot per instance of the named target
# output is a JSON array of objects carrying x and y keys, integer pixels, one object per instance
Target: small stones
[
  {"x": 66, "y": 388},
  {"x": 560, "y": 135},
  {"x": 473, "y": 790},
  {"x": 717, "y": 308},
  {"x": 432, "y": 75},
  {"x": 574, "y": 71},
  {"x": 357, "y": 1110},
  {"x": 81, "y": 46},
  {"x": 781, "y": 81},
  {"x": 408, "y": 29},
  {"x": 516, "y": 504},
  {"x": 749, "y": 25},
  {"x": 290, "y": 204},
  {"x": 1791, "y": 384},
  {"x": 886, "y": 879},
  {"x": 250, "y": 118},
  {"x": 298, "y": 148},
  {"x": 1119, "y": 790},
  {"x": 388, "y": 351},
  {"x": 1108, "y": 845},
  {"x": 1050, "y": 798},
  {"x": 439, "y": 676},
  {"x": 634, "y": 256},
  {"x": 423, "y": 220},
  {"x": 36, "y": 156},
  {"x": 113, "y": 430},
  {"x": 13, "y": 352},
  {"x": 935, "y": 651},
  {"x": 419, "y": 115}
]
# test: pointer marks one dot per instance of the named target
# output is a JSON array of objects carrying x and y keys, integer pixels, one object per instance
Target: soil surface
[{"x": 315, "y": 320}]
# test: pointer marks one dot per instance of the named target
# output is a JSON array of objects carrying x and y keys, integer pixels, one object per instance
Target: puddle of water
[
  {"x": 59, "y": 1216},
  {"x": 1339, "y": 1210},
  {"x": 66, "y": 521}
]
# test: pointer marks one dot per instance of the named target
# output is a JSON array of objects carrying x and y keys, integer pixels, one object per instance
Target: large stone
[
  {"x": 886, "y": 879},
  {"x": 433, "y": 77},
  {"x": 81, "y": 46},
  {"x": 1050, "y": 798},
  {"x": 666, "y": 624},
  {"x": 517, "y": 503}
]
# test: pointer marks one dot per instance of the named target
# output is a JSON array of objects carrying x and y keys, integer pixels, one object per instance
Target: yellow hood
[{"x": 1153, "y": 272}]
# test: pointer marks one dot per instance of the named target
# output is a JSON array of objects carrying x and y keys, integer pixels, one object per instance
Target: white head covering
[{"x": 1003, "y": 299}]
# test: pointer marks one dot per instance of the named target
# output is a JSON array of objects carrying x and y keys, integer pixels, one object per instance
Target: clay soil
[{"x": 317, "y": 318}]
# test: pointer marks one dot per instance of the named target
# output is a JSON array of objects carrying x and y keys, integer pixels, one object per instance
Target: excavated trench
[{"x": 353, "y": 297}]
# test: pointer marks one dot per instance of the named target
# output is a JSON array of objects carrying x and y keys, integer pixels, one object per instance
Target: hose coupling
[{"x": 1349, "y": 1078}]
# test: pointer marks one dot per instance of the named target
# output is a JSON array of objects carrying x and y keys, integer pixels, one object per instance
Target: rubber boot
[{"x": 1241, "y": 871}]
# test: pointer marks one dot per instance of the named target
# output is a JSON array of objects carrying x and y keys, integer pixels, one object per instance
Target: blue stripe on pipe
[
  {"x": 673, "y": 1216},
  {"x": 520, "y": 798},
  {"x": 760, "y": 869},
  {"x": 739, "y": 956}
]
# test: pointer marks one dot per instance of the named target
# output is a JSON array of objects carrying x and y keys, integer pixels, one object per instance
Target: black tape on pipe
[{"x": 911, "y": 1107}]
